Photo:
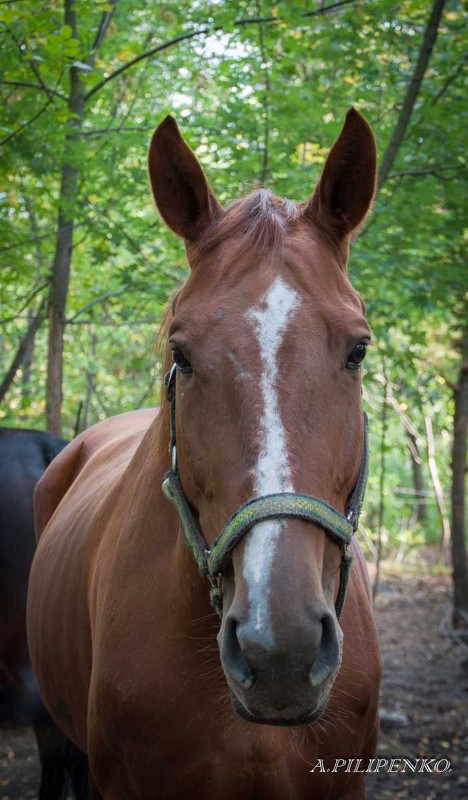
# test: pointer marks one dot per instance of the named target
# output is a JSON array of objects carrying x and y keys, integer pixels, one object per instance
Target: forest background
[{"x": 260, "y": 91}]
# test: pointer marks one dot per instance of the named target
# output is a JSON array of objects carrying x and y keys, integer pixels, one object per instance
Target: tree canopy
[{"x": 260, "y": 91}]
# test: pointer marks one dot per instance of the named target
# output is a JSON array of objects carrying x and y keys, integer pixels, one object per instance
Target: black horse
[{"x": 24, "y": 456}]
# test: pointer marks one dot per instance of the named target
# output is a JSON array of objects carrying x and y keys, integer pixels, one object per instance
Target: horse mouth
[{"x": 303, "y": 719}]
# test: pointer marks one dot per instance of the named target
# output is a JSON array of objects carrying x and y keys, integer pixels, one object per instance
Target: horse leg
[
  {"x": 51, "y": 745},
  {"x": 76, "y": 764},
  {"x": 94, "y": 792}
]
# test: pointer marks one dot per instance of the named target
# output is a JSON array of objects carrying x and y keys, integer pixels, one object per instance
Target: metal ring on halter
[{"x": 169, "y": 379}]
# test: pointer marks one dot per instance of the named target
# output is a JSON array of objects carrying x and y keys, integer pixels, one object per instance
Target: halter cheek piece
[{"x": 212, "y": 562}]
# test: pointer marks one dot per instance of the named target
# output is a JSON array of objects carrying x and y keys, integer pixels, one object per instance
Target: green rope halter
[{"x": 212, "y": 562}]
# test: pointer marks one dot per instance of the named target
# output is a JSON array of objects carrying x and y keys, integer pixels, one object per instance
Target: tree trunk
[
  {"x": 418, "y": 476},
  {"x": 459, "y": 450},
  {"x": 26, "y": 369},
  {"x": 430, "y": 35},
  {"x": 25, "y": 343},
  {"x": 438, "y": 491},
  {"x": 64, "y": 242},
  {"x": 89, "y": 380},
  {"x": 412, "y": 439},
  {"x": 383, "y": 447}
]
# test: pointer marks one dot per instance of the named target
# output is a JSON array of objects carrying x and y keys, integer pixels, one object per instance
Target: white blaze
[{"x": 272, "y": 473}]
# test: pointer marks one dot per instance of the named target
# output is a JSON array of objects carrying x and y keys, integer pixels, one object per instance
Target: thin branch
[
  {"x": 315, "y": 13},
  {"x": 31, "y": 63},
  {"x": 114, "y": 324},
  {"x": 266, "y": 106},
  {"x": 422, "y": 172},
  {"x": 41, "y": 87},
  {"x": 137, "y": 249},
  {"x": 34, "y": 118},
  {"x": 150, "y": 389},
  {"x": 102, "y": 131},
  {"x": 102, "y": 30},
  {"x": 26, "y": 303},
  {"x": 201, "y": 32},
  {"x": 458, "y": 71},
  {"x": 27, "y": 241},
  {"x": 53, "y": 230},
  {"x": 28, "y": 123},
  {"x": 326, "y": 9},
  {"x": 108, "y": 322},
  {"x": 94, "y": 302},
  {"x": 414, "y": 86},
  {"x": 158, "y": 49}
]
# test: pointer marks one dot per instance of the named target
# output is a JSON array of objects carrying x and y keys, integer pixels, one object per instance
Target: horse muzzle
[{"x": 284, "y": 684}]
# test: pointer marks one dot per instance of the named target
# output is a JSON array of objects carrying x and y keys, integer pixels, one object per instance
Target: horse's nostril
[
  {"x": 328, "y": 655},
  {"x": 232, "y": 657}
]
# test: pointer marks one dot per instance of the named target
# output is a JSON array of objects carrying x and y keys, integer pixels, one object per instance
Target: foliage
[{"x": 258, "y": 102}]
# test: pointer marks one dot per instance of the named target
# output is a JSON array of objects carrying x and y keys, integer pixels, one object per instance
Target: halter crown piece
[{"x": 213, "y": 561}]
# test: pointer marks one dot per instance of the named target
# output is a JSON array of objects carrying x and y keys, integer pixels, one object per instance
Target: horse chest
[
  {"x": 205, "y": 759},
  {"x": 218, "y": 773}
]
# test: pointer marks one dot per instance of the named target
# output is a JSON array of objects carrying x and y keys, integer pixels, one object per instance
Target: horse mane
[{"x": 163, "y": 352}]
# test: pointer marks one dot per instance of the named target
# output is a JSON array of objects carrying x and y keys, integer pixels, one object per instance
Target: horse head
[{"x": 268, "y": 337}]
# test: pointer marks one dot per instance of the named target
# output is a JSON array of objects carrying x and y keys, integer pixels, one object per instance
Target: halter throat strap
[{"x": 212, "y": 562}]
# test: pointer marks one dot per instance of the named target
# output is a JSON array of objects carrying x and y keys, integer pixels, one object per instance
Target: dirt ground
[
  {"x": 425, "y": 684},
  {"x": 425, "y": 680}
]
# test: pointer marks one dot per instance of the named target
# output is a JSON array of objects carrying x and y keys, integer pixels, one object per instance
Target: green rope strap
[
  {"x": 273, "y": 506},
  {"x": 357, "y": 496},
  {"x": 345, "y": 565},
  {"x": 212, "y": 562},
  {"x": 198, "y": 547}
]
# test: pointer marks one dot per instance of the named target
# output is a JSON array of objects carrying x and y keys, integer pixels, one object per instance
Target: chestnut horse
[{"x": 262, "y": 450}]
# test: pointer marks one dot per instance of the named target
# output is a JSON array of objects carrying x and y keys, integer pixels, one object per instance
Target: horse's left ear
[
  {"x": 347, "y": 185},
  {"x": 183, "y": 196}
]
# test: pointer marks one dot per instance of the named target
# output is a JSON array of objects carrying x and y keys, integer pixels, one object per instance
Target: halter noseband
[{"x": 213, "y": 561}]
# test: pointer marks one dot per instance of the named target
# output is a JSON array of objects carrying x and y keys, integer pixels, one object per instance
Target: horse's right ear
[{"x": 183, "y": 197}]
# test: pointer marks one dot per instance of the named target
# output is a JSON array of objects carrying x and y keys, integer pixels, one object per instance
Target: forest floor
[{"x": 425, "y": 681}]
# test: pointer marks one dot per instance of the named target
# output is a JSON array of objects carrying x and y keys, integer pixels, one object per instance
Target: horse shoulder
[
  {"x": 360, "y": 568},
  {"x": 65, "y": 468}
]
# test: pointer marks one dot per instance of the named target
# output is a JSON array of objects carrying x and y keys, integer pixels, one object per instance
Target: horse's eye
[
  {"x": 356, "y": 356},
  {"x": 181, "y": 360}
]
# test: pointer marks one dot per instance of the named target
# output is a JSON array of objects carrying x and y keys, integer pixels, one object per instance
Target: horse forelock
[{"x": 255, "y": 222}]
